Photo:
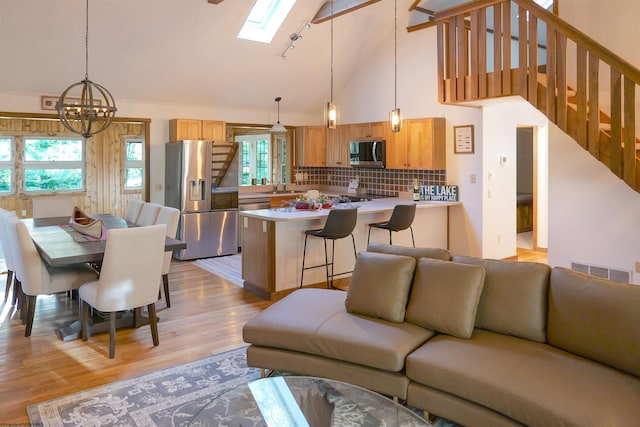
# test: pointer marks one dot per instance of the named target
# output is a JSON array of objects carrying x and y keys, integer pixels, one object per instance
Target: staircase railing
[{"x": 494, "y": 48}]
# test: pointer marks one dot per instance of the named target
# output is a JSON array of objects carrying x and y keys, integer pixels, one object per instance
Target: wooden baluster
[
  {"x": 581, "y": 116},
  {"x": 495, "y": 88},
  {"x": 521, "y": 84},
  {"x": 473, "y": 43},
  {"x": 442, "y": 98},
  {"x": 630, "y": 170},
  {"x": 482, "y": 54},
  {"x": 615, "y": 137},
  {"x": 506, "y": 49},
  {"x": 593, "y": 114},
  {"x": 451, "y": 59},
  {"x": 533, "y": 61},
  {"x": 561, "y": 81},
  {"x": 551, "y": 75}
]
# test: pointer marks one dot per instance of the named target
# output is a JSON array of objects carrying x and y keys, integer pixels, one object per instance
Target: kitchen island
[{"x": 273, "y": 240}]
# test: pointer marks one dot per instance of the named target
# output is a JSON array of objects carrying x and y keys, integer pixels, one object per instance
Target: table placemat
[{"x": 81, "y": 238}]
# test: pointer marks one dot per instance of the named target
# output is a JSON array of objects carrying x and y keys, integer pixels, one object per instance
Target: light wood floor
[{"x": 206, "y": 317}]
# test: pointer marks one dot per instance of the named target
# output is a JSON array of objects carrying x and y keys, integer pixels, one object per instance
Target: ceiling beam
[{"x": 340, "y": 7}]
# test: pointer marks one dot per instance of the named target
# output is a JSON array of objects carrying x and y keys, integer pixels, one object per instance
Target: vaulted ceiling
[{"x": 186, "y": 51}]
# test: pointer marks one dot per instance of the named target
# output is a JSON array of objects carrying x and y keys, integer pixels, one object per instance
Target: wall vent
[{"x": 616, "y": 275}]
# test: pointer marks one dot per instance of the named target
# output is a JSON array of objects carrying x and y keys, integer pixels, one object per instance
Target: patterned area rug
[
  {"x": 228, "y": 267},
  {"x": 169, "y": 397}
]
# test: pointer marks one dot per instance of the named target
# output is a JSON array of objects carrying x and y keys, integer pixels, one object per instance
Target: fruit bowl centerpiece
[{"x": 303, "y": 202}]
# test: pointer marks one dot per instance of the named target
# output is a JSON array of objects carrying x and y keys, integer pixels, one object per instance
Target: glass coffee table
[{"x": 297, "y": 401}]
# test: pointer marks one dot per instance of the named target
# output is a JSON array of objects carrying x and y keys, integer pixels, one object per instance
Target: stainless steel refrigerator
[{"x": 207, "y": 229}]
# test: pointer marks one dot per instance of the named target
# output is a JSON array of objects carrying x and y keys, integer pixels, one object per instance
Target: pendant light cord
[
  {"x": 331, "y": 97},
  {"x": 86, "y": 43},
  {"x": 395, "y": 53}
]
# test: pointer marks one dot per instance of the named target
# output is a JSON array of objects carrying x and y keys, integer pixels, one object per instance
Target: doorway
[{"x": 525, "y": 188}]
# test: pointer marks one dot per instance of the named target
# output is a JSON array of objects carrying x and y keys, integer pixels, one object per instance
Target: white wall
[
  {"x": 160, "y": 114},
  {"x": 594, "y": 214},
  {"x": 501, "y": 119}
]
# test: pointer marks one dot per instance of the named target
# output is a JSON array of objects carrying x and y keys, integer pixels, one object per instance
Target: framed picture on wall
[{"x": 463, "y": 139}]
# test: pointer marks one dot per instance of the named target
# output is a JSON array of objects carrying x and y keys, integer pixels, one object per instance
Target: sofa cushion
[
  {"x": 595, "y": 318},
  {"x": 379, "y": 285},
  {"x": 445, "y": 296},
  {"x": 532, "y": 383},
  {"x": 435, "y": 253},
  {"x": 514, "y": 298},
  {"x": 314, "y": 321}
]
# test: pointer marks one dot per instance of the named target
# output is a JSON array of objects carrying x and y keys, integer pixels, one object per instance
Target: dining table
[{"x": 59, "y": 245}]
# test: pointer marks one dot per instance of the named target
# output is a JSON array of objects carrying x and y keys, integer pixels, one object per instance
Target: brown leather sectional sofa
[{"x": 479, "y": 342}]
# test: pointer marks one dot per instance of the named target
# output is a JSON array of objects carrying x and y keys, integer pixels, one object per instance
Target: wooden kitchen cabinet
[
  {"x": 311, "y": 146},
  {"x": 338, "y": 146},
  {"x": 380, "y": 130},
  {"x": 212, "y": 130},
  {"x": 180, "y": 129},
  {"x": 420, "y": 144},
  {"x": 258, "y": 256}
]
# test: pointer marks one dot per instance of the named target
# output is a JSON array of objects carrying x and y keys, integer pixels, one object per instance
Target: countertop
[
  {"x": 377, "y": 205},
  {"x": 266, "y": 194}
]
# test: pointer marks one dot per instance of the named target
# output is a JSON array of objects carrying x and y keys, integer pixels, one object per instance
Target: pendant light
[
  {"x": 331, "y": 113},
  {"x": 277, "y": 127},
  {"x": 395, "y": 118},
  {"x": 92, "y": 110}
]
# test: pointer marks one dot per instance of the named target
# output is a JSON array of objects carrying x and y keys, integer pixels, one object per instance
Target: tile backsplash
[{"x": 378, "y": 181}]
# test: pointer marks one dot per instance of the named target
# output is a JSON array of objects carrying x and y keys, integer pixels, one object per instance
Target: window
[
  {"x": 265, "y": 19},
  {"x": 6, "y": 165},
  {"x": 133, "y": 164},
  {"x": 53, "y": 165},
  {"x": 255, "y": 158}
]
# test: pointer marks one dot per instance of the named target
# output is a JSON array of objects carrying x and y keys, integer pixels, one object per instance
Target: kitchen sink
[{"x": 281, "y": 192}]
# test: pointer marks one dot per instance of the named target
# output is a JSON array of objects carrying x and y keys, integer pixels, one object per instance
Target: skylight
[
  {"x": 545, "y": 3},
  {"x": 265, "y": 19}
]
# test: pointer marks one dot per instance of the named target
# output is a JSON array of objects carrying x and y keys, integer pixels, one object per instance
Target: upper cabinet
[
  {"x": 311, "y": 146},
  {"x": 338, "y": 146},
  {"x": 377, "y": 130},
  {"x": 211, "y": 130},
  {"x": 420, "y": 144}
]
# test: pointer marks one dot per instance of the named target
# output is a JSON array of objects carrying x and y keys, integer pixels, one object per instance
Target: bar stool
[
  {"x": 340, "y": 224},
  {"x": 401, "y": 219}
]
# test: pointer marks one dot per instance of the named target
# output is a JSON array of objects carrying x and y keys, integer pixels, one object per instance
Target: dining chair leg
[
  {"x": 165, "y": 283},
  {"x": 85, "y": 320},
  {"x": 31, "y": 309},
  {"x": 8, "y": 286},
  {"x": 153, "y": 323},
  {"x": 17, "y": 293},
  {"x": 412, "y": 239},
  {"x": 112, "y": 334}
]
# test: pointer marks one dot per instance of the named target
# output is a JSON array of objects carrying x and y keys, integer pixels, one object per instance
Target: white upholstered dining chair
[
  {"x": 134, "y": 207},
  {"x": 128, "y": 279},
  {"x": 170, "y": 217},
  {"x": 8, "y": 253},
  {"x": 148, "y": 214},
  {"x": 34, "y": 277},
  {"x": 51, "y": 207}
]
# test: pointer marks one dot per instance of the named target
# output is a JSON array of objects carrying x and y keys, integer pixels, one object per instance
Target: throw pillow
[
  {"x": 380, "y": 286},
  {"x": 417, "y": 253},
  {"x": 445, "y": 296}
]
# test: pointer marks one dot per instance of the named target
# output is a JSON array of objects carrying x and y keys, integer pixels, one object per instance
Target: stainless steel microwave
[{"x": 367, "y": 153}]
